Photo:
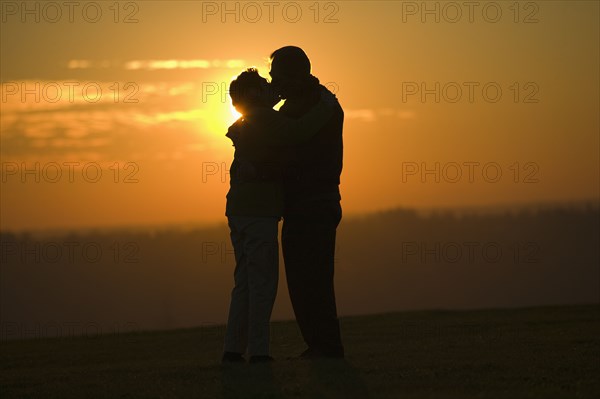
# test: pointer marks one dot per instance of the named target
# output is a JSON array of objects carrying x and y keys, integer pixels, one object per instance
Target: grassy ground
[{"x": 541, "y": 352}]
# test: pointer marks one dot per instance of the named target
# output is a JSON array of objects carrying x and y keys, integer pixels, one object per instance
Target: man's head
[
  {"x": 290, "y": 69},
  {"x": 250, "y": 90}
]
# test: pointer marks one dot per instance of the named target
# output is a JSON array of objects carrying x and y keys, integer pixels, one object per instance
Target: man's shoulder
[{"x": 338, "y": 106}]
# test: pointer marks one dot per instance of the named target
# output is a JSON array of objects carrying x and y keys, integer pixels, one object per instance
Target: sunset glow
[{"x": 436, "y": 108}]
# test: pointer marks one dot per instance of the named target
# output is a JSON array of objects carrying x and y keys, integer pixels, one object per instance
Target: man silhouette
[{"x": 312, "y": 209}]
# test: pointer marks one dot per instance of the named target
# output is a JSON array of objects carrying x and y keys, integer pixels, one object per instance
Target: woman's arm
[{"x": 273, "y": 128}]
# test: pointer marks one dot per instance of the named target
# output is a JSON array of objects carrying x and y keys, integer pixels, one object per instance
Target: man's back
[
  {"x": 311, "y": 215},
  {"x": 314, "y": 167}
]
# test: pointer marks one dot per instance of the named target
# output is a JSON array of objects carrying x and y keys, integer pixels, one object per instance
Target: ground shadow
[
  {"x": 333, "y": 378},
  {"x": 249, "y": 381}
]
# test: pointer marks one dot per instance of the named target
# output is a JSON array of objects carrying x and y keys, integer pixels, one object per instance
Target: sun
[
  {"x": 234, "y": 113},
  {"x": 218, "y": 110}
]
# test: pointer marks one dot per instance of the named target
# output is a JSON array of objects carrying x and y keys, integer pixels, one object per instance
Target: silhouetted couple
[{"x": 287, "y": 163}]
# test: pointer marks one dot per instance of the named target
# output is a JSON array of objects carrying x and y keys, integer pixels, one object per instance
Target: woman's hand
[{"x": 328, "y": 98}]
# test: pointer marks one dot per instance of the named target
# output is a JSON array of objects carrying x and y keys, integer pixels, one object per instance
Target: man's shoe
[
  {"x": 333, "y": 353},
  {"x": 261, "y": 359},
  {"x": 232, "y": 357},
  {"x": 312, "y": 353}
]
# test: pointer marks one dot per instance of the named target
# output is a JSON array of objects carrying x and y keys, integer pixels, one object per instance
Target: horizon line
[{"x": 480, "y": 210}]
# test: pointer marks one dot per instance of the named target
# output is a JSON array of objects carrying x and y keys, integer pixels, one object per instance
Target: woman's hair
[{"x": 247, "y": 86}]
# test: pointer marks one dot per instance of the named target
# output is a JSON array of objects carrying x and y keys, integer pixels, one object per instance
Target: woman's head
[{"x": 251, "y": 90}]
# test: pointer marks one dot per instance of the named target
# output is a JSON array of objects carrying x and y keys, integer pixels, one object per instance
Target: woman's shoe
[
  {"x": 232, "y": 357},
  {"x": 261, "y": 359}
]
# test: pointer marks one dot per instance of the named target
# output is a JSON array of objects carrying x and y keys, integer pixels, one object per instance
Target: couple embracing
[{"x": 287, "y": 164}]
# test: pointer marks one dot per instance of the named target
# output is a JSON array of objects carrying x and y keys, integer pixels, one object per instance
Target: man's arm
[{"x": 273, "y": 128}]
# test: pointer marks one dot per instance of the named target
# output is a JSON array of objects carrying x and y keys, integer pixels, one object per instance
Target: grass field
[{"x": 545, "y": 352}]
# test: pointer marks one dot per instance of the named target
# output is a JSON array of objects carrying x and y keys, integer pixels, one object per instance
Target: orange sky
[{"x": 157, "y": 129}]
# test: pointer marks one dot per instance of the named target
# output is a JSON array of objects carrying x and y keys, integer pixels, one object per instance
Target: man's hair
[
  {"x": 293, "y": 61},
  {"x": 247, "y": 86}
]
